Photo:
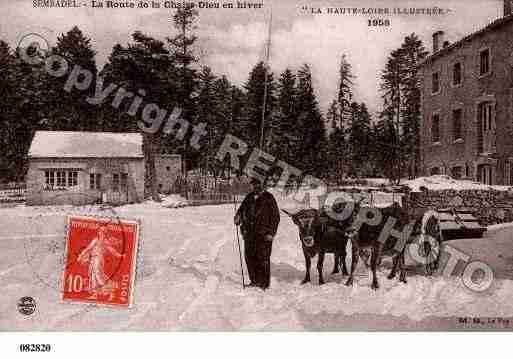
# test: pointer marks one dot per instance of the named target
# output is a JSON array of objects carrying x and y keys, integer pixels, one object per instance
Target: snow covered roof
[{"x": 70, "y": 144}]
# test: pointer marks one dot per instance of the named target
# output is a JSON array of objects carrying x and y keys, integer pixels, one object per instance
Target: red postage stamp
[{"x": 100, "y": 261}]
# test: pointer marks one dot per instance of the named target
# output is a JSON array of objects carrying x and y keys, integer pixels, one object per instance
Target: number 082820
[{"x": 35, "y": 347}]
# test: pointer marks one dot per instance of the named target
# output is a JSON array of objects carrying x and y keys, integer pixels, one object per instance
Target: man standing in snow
[{"x": 258, "y": 216}]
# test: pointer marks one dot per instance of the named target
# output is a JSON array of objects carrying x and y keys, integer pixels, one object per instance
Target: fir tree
[
  {"x": 312, "y": 151},
  {"x": 287, "y": 129},
  {"x": 145, "y": 64},
  {"x": 182, "y": 48},
  {"x": 401, "y": 98},
  {"x": 70, "y": 110},
  {"x": 259, "y": 123}
]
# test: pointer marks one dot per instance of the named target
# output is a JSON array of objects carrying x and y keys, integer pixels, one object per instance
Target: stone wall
[{"x": 488, "y": 206}]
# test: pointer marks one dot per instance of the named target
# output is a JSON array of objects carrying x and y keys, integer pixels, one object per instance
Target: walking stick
[
  {"x": 238, "y": 244},
  {"x": 240, "y": 258}
]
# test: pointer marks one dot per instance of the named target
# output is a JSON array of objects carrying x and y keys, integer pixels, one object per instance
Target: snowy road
[{"x": 188, "y": 278}]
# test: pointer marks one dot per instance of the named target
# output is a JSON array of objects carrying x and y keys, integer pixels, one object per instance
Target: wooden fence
[
  {"x": 208, "y": 190},
  {"x": 13, "y": 193}
]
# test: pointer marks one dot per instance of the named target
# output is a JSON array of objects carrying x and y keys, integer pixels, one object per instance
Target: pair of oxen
[{"x": 320, "y": 233}]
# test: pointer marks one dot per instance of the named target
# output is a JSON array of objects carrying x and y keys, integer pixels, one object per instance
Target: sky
[{"x": 232, "y": 41}]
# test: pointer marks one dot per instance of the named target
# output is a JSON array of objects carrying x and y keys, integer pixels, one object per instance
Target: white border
[{"x": 262, "y": 345}]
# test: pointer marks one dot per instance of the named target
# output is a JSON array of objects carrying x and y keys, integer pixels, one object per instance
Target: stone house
[
  {"x": 68, "y": 167},
  {"x": 467, "y": 105}
]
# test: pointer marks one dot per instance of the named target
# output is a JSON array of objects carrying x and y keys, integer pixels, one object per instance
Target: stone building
[
  {"x": 168, "y": 168},
  {"x": 85, "y": 167},
  {"x": 467, "y": 105}
]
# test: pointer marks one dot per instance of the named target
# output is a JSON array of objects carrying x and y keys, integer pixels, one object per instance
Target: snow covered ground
[{"x": 188, "y": 278}]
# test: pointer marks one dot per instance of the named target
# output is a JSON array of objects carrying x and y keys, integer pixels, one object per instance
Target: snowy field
[{"x": 188, "y": 278}]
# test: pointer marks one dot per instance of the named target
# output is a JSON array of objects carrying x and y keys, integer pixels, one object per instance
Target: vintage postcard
[{"x": 228, "y": 165}]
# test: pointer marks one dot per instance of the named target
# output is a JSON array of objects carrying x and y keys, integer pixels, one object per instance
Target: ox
[
  {"x": 318, "y": 238},
  {"x": 374, "y": 236}
]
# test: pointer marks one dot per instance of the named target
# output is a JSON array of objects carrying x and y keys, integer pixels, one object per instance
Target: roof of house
[
  {"x": 70, "y": 144},
  {"x": 490, "y": 27}
]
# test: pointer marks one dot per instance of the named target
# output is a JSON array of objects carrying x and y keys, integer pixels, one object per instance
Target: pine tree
[
  {"x": 256, "y": 127},
  {"x": 145, "y": 64},
  {"x": 339, "y": 115},
  {"x": 206, "y": 112},
  {"x": 336, "y": 144},
  {"x": 413, "y": 53},
  {"x": 23, "y": 110},
  {"x": 313, "y": 147},
  {"x": 287, "y": 131},
  {"x": 224, "y": 118},
  {"x": 359, "y": 139},
  {"x": 401, "y": 97},
  {"x": 70, "y": 110},
  {"x": 182, "y": 49}
]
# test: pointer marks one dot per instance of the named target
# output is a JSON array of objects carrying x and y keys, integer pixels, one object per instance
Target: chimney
[
  {"x": 438, "y": 39},
  {"x": 508, "y": 7}
]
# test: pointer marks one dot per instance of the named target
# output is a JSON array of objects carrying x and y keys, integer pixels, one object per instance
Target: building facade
[
  {"x": 467, "y": 105},
  {"x": 85, "y": 167},
  {"x": 168, "y": 168}
]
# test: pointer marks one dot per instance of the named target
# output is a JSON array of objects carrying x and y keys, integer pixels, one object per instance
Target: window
[
  {"x": 72, "y": 178},
  {"x": 457, "y": 172},
  {"x": 484, "y": 62},
  {"x": 95, "y": 181},
  {"x": 50, "y": 179},
  {"x": 435, "y": 83},
  {"x": 61, "y": 179},
  {"x": 119, "y": 181},
  {"x": 486, "y": 128},
  {"x": 124, "y": 181},
  {"x": 456, "y": 124},
  {"x": 435, "y": 128},
  {"x": 467, "y": 170},
  {"x": 115, "y": 182},
  {"x": 168, "y": 168},
  {"x": 457, "y": 74}
]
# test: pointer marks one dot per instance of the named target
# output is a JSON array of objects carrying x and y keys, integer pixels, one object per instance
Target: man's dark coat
[{"x": 259, "y": 217}]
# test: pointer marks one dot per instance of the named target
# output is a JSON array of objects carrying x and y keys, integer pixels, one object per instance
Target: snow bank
[
  {"x": 173, "y": 201},
  {"x": 442, "y": 182}
]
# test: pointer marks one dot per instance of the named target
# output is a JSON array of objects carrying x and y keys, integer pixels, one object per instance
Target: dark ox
[
  {"x": 367, "y": 237},
  {"x": 317, "y": 238}
]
